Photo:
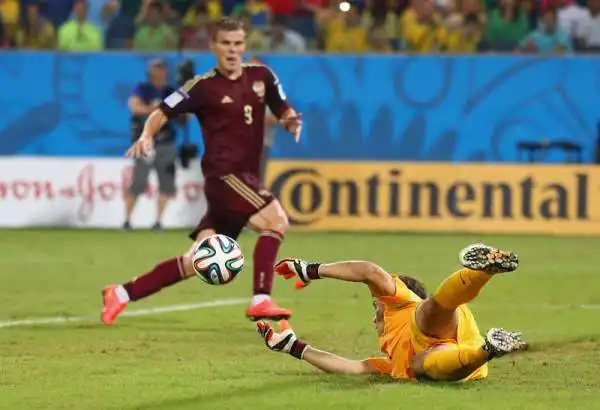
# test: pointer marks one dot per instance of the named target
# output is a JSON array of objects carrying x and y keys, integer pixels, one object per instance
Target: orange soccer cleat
[
  {"x": 267, "y": 309},
  {"x": 112, "y": 305}
]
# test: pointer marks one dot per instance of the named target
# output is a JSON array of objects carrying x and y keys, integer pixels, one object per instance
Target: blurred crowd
[{"x": 296, "y": 26}]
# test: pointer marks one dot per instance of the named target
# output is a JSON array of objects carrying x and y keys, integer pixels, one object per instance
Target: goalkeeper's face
[{"x": 378, "y": 318}]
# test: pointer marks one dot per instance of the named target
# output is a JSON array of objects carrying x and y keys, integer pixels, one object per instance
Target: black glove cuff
[
  {"x": 298, "y": 349},
  {"x": 312, "y": 271}
]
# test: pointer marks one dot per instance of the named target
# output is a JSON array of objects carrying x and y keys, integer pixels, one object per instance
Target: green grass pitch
[{"x": 212, "y": 358}]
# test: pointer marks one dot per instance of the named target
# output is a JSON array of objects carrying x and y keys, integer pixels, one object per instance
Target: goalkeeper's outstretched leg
[
  {"x": 454, "y": 362},
  {"x": 437, "y": 316}
]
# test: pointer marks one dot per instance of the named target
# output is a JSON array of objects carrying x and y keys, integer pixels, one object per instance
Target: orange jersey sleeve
[
  {"x": 382, "y": 364},
  {"x": 403, "y": 295}
]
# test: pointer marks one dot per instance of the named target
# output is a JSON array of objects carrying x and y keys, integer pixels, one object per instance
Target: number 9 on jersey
[
  {"x": 217, "y": 259},
  {"x": 248, "y": 114}
]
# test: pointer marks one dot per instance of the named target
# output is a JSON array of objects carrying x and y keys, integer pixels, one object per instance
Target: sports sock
[
  {"x": 459, "y": 288},
  {"x": 265, "y": 254},
  {"x": 164, "y": 274},
  {"x": 256, "y": 299},
  {"x": 443, "y": 364}
]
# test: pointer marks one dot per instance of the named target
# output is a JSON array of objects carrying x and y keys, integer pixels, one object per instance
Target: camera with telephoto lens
[
  {"x": 188, "y": 151},
  {"x": 185, "y": 72}
]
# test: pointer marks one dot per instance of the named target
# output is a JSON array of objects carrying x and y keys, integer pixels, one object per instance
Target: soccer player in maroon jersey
[{"x": 229, "y": 102}]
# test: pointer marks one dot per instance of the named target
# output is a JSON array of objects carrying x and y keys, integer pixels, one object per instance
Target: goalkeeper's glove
[
  {"x": 285, "y": 341},
  {"x": 303, "y": 271}
]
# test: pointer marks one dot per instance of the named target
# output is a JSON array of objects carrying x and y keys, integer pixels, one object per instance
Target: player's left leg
[
  {"x": 459, "y": 361},
  {"x": 249, "y": 201},
  {"x": 270, "y": 223}
]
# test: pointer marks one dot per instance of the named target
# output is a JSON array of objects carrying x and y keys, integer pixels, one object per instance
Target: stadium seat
[{"x": 573, "y": 152}]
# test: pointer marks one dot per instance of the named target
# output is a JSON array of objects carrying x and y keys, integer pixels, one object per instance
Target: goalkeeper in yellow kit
[{"x": 433, "y": 337}]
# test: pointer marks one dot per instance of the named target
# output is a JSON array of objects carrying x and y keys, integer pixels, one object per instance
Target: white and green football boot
[
  {"x": 500, "y": 342},
  {"x": 487, "y": 259}
]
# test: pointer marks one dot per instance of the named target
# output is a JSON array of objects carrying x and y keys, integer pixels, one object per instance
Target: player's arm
[
  {"x": 277, "y": 102},
  {"x": 274, "y": 96},
  {"x": 155, "y": 121},
  {"x": 271, "y": 120},
  {"x": 379, "y": 281},
  {"x": 286, "y": 341},
  {"x": 184, "y": 100}
]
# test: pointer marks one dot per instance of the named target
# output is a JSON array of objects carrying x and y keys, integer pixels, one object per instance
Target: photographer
[{"x": 144, "y": 99}]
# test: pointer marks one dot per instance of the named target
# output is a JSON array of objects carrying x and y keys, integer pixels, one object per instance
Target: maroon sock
[
  {"x": 164, "y": 274},
  {"x": 265, "y": 254}
]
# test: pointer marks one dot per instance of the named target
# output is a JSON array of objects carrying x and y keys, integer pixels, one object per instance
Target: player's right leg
[{"x": 166, "y": 273}]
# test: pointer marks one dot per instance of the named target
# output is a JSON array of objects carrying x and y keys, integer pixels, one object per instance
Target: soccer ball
[{"x": 218, "y": 259}]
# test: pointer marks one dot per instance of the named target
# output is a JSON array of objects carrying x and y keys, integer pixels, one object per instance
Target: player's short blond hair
[{"x": 227, "y": 24}]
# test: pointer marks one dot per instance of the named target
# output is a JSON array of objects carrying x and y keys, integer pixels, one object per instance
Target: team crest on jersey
[{"x": 259, "y": 88}]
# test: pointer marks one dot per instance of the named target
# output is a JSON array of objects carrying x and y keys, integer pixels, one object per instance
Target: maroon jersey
[{"x": 231, "y": 115}]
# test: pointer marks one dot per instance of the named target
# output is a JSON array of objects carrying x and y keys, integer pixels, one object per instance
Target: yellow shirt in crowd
[
  {"x": 10, "y": 10},
  {"x": 345, "y": 39},
  {"x": 423, "y": 37},
  {"x": 213, "y": 9}
]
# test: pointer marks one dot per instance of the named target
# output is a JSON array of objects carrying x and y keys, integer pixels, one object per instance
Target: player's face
[
  {"x": 378, "y": 318},
  {"x": 229, "y": 47}
]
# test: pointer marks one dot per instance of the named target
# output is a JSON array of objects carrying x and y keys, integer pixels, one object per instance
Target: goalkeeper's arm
[
  {"x": 379, "y": 281},
  {"x": 286, "y": 341},
  {"x": 331, "y": 363}
]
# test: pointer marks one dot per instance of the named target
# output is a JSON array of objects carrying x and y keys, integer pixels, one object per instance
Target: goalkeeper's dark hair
[{"x": 414, "y": 285}]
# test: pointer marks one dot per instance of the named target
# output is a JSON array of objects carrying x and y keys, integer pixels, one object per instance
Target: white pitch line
[
  {"x": 132, "y": 313},
  {"x": 543, "y": 306},
  {"x": 216, "y": 303},
  {"x": 583, "y": 306}
]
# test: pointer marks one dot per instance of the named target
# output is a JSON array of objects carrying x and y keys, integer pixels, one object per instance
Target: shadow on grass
[
  {"x": 285, "y": 382},
  {"x": 582, "y": 343},
  {"x": 291, "y": 382}
]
